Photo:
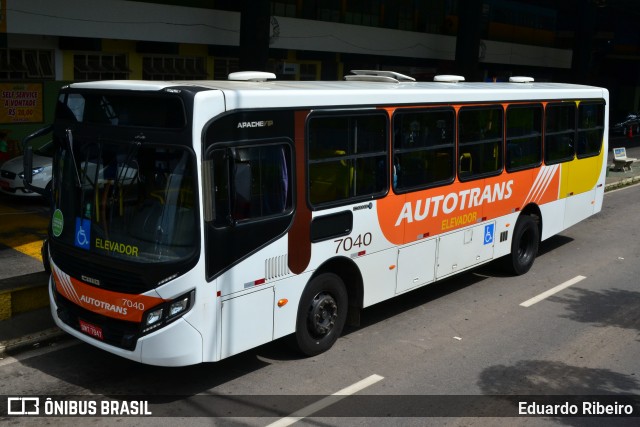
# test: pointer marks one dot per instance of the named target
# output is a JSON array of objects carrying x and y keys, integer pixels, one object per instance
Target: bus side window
[
  {"x": 590, "y": 129},
  {"x": 480, "y": 141},
  {"x": 560, "y": 132},
  {"x": 524, "y": 137},
  {"x": 423, "y": 148},
  {"x": 250, "y": 182},
  {"x": 347, "y": 157}
]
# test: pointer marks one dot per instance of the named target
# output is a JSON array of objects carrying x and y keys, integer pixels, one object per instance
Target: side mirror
[{"x": 27, "y": 160}]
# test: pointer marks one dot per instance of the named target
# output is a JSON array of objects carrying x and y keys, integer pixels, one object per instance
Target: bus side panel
[
  {"x": 246, "y": 321},
  {"x": 284, "y": 317},
  {"x": 582, "y": 176},
  {"x": 503, "y": 234},
  {"x": 465, "y": 248},
  {"x": 551, "y": 212},
  {"x": 599, "y": 198},
  {"x": 416, "y": 265},
  {"x": 579, "y": 207},
  {"x": 379, "y": 275}
]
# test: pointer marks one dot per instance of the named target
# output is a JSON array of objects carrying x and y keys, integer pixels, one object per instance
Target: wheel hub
[{"x": 323, "y": 313}]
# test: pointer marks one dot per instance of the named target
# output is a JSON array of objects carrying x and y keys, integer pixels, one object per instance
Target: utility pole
[
  {"x": 581, "y": 61},
  {"x": 468, "y": 38},
  {"x": 255, "y": 19}
]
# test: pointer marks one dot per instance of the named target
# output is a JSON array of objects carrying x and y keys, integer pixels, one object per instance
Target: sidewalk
[
  {"x": 30, "y": 323},
  {"x": 33, "y": 327},
  {"x": 617, "y": 179}
]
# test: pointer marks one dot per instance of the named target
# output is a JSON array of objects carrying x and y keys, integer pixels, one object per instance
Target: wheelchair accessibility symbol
[
  {"x": 488, "y": 234},
  {"x": 83, "y": 233}
]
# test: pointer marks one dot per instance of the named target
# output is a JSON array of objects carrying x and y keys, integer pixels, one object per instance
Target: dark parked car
[{"x": 631, "y": 122}]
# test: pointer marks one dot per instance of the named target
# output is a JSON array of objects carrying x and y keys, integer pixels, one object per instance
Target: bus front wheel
[
  {"x": 524, "y": 246},
  {"x": 321, "y": 314}
]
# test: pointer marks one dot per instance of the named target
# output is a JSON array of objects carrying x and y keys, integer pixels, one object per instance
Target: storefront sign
[{"x": 21, "y": 102}]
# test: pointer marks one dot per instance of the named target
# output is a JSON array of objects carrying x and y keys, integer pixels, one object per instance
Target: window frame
[
  {"x": 507, "y": 138},
  {"x": 599, "y": 126},
  {"x": 501, "y": 142},
  {"x": 350, "y": 198},
  {"x": 209, "y": 181},
  {"x": 573, "y": 133},
  {"x": 425, "y": 148}
]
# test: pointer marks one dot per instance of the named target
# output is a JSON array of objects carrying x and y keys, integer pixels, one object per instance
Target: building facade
[{"x": 45, "y": 44}]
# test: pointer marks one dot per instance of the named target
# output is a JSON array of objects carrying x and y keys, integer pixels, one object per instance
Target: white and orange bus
[{"x": 195, "y": 220}]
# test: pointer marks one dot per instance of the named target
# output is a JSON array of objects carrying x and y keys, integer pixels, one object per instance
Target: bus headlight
[
  {"x": 166, "y": 313},
  {"x": 153, "y": 317},
  {"x": 178, "y": 307}
]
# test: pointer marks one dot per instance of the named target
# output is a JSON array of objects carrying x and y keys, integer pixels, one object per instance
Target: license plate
[{"x": 91, "y": 330}]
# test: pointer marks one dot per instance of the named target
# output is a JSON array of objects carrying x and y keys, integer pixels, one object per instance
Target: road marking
[
  {"x": 530, "y": 302},
  {"x": 327, "y": 401},
  {"x": 8, "y": 360}
]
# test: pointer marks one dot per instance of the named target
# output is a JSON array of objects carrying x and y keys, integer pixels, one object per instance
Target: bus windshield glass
[{"x": 129, "y": 200}]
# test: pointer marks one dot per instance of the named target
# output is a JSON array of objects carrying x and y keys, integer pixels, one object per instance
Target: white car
[{"x": 11, "y": 172}]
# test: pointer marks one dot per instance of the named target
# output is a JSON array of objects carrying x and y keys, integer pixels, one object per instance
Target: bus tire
[
  {"x": 321, "y": 314},
  {"x": 524, "y": 245}
]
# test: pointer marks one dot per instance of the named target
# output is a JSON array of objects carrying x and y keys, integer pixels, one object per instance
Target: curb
[
  {"x": 21, "y": 294},
  {"x": 19, "y": 344},
  {"x": 625, "y": 182}
]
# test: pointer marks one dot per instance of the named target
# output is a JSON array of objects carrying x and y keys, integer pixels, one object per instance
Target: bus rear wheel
[
  {"x": 321, "y": 314},
  {"x": 524, "y": 246}
]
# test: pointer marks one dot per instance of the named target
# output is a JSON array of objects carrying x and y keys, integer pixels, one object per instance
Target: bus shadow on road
[
  {"x": 553, "y": 243},
  {"x": 83, "y": 367}
]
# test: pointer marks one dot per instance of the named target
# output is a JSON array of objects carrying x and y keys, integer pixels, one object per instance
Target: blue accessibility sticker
[
  {"x": 488, "y": 233},
  {"x": 83, "y": 233}
]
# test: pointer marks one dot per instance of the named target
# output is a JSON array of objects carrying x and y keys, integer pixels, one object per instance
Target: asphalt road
[{"x": 464, "y": 337}]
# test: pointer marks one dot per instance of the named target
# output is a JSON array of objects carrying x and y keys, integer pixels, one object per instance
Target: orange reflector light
[
  {"x": 282, "y": 302},
  {"x": 392, "y": 267}
]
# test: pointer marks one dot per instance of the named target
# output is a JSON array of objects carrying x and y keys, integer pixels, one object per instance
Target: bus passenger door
[{"x": 416, "y": 265}]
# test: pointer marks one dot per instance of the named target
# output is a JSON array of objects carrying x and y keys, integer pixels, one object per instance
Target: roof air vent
[
  {"x": 521, "y": 79},
  {"x": 448, "y": 78},
  {"x": 378, "y": 76},
  {"x": 251, "y": 76}
]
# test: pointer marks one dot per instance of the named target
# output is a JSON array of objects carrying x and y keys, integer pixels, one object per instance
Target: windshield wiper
[{"x": 73, "y": 157}]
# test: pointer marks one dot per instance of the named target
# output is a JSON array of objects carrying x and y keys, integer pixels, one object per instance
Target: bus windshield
[{"x": 130, "y": 200}]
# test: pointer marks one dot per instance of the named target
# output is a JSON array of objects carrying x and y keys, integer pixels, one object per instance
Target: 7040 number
[{"x": 348, "y": 243}]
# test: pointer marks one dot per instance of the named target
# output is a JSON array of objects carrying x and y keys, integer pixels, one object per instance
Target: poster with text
[{"x": 21, "y": 103}]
